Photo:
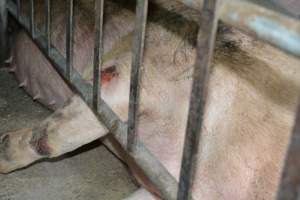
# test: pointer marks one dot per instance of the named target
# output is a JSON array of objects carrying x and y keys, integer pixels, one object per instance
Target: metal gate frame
[{"x": 272, "y": 27}]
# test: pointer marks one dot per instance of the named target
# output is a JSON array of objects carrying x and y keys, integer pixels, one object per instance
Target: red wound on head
[{"x": 108, "y": 74}]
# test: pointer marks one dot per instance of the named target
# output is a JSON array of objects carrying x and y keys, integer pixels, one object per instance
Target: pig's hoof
[
  {"x": 5, "y": 167},
  {"x": 16, "y": 151}
]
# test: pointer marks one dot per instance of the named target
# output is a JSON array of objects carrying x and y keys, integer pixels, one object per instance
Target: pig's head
[{"x": 164, "y": 89}]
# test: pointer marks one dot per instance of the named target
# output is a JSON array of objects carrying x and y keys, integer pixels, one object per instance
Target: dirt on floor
[{"x": 89, "y": 173}]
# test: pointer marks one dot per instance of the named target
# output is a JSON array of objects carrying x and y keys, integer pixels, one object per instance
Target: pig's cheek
[
  {"x": 114, "y": 95},
  {"x": 109, "y": 86}
]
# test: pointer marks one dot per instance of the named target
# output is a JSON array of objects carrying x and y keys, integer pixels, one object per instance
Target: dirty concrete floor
[{"x": 90, "y": 173}]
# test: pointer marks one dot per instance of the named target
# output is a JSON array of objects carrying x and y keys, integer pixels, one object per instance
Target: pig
[{"x": 253, "y": 93}]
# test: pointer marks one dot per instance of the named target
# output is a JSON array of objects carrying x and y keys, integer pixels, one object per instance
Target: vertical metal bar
[
  {"x": 137, "y": 59},
  {"x": 48, "y": 26},
  {"x": 69, "y": 43},
  {"x": 18, "y": 8},
  {"x": 290, "y": 181},
  {"x": 3, "y": 31},
  {"x": 98, "y": 52},
  {"x": 205, "y": 46},
  {"x": 32, "y": 26}
]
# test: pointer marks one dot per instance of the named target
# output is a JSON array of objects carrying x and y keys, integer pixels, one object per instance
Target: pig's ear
[{"x": 108, "y": 73}]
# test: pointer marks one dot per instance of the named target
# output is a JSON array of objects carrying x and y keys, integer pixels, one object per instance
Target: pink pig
[{"x": 253, "y": 92}]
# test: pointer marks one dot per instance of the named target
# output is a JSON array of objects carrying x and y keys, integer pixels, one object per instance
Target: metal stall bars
[
  {"x": 69, "y": 44},
  {"x": 153, "y": 169},
  {"x": 98, "y": 52},
  {"x": 205, "y": 46},
  {"x": 289, "y": 187},
  {"x": 137, "y": 60},
  {"x": 48, "y": 26},
  {"x": 3, "y": 32},
  {"x": 265, "y": 24},
  {"x": 32, "y": 23}
]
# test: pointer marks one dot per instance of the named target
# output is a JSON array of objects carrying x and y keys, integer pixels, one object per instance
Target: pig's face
[
  {"x": 164, "y": 94},
  {"x": 115, "y": 86},
  {"x": 166, "y": 77}
]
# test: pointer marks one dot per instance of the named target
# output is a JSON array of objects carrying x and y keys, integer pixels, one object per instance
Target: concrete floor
[{"x": 90, "y": 173}]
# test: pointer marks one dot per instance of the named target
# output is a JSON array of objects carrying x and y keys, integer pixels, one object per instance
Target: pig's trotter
[
  {"x": 16, "y": 151},
  {"x": 65, "y": 130},
  {"x": 39, "y": 141}
]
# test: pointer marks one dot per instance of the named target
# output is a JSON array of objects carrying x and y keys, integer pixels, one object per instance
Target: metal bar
[
  {"x": 269, "y": 26},
  {"x": 205, "y": 46},
  {"x": 137, "y": 59},
  {"x": 290, "y": 181},
  {"x": 69, "y": 39},
  {"x": 272, "y": 27},
  {"x": 31, "y": 16},
  {"x": 18, "y": 7},
  {"x": 155, "y": 171},
  {"x": 48, "y": 25},
  {"x": 3, "y": 32},
  {"x": 98, "y": 52}
]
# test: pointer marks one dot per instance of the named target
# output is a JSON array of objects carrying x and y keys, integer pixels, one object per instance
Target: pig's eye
[{"x": 108, "y": 74}]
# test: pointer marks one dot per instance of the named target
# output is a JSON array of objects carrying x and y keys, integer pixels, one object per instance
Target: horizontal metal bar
[
  {"x": 270, "y": 26},
  {"x": 290, "y": 181},
  {"x": 155, "y": 171},
  {"x": 69, "y": 39},
  {"x": 277, "y": 29},
  {"x": 98, "y": 52},
  {"x": 205, "y": 47},
  {"x": 137, "y": 60}
]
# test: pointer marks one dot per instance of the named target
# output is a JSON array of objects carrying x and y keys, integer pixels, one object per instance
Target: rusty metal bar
[
  {"x": 48, "y": 25},
  {"x": 137, "y": 60},
  {"x": 3, "y": 32},
  {"x": 205, "y": 47},
  {"x": 69, "y": 39},
  {"x": 31, "y": 16},
  {"x": 98, "y": 52},
  {"x": 290, "y": 181},
  {"x": 155, "y": 171}
]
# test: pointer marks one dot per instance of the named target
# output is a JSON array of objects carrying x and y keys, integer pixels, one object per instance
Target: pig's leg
[{"x": 65, "y": 130}]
